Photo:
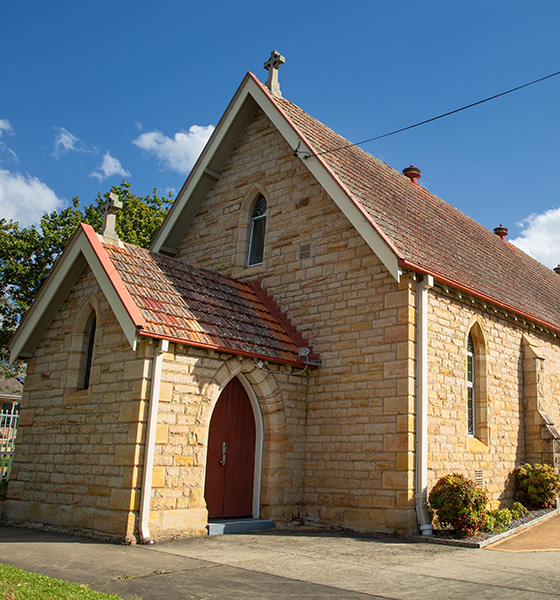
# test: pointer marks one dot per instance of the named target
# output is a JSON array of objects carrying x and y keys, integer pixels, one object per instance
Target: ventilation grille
[
  {"x": 305, "y": 251},
  {"x": 478, "y": 478}
]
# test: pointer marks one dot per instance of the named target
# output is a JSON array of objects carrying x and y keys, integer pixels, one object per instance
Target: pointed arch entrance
[{"x": 233, "y": 458}]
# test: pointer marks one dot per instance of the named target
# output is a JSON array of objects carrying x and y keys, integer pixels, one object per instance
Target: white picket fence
[{"x": 8, "y": 431}]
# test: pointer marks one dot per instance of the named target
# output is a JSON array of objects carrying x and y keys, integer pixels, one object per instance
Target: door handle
[{"x": 224, "y": 449}]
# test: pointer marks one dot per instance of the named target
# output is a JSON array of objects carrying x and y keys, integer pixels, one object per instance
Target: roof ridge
[{"x": 272, "y": 305}]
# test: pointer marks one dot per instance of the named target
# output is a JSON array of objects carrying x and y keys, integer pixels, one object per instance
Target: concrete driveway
[{"x": 286, "y": 564}]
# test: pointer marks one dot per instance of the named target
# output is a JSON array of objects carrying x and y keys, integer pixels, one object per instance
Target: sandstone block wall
[
  {"x": 192, "y": 381},
  {"x": 359, "y": 426},
  {"x": 505, "y": 388},
  {"x": 78, "y": 451}
]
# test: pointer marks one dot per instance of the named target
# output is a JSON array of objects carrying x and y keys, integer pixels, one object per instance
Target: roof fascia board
[
  {"x": 48, "y": 302},
  {"x": 206, "y": 170},
  {"x": 114, "y": 299},
  {"x": 55, "y": 290},
  {"x": 248, "y": 98}
]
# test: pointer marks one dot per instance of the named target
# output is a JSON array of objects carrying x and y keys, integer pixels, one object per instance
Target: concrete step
[{"x": 221, "y": 526}]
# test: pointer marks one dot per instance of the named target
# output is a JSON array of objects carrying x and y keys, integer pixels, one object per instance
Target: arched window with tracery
[
  {"x": 471, "y": 387},
  {"x": 476, "y": 380},
  {"x": 257, "y": 233}
]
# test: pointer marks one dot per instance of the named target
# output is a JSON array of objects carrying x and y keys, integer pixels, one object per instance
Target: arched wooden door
[{"x": 230, "y": 465}]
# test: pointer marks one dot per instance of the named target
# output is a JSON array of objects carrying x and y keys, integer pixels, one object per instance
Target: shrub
[
  {"x": 459, "y": 503},
  {"x": 498, "y": 520},
  {"x": 490, "y": 524},
  {"x": 503, "y": 518},
  {"x": 537, "y": 485},
  {"x": 518, "y": 510}
]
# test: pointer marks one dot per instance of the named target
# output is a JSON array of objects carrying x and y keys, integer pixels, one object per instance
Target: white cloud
[
  {"x": 25, "y": 198},
  {"x": 67, "y": 142},
  {"x": 6, "y": 127},
  {"x": 110, "y": 166},
  {"x": 178, "y": 153},
  {"x": 540, "y": 237}
]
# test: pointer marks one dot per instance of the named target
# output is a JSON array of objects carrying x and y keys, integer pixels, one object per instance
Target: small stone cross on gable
[
  {"x": 272, "y": 65},
  {"x": 110, "y": 210}
]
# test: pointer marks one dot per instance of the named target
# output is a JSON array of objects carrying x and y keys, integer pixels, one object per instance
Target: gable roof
[
  {"x": 185, "y": 303},
  {"x": 404, "y": 224},
  {"x": 82, "y": 250},
  {"x": 156, "y": 296}
]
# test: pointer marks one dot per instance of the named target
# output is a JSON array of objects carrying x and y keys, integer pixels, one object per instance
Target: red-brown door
[{"x": 230, "y": 464}]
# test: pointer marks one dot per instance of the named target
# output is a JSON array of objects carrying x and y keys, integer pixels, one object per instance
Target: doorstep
[{"x": 223, "y": 526}]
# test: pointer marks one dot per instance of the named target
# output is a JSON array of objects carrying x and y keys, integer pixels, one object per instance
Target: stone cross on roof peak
[
  {"x": 272, "y": 65},
  {"x": 110, "y": 210}
]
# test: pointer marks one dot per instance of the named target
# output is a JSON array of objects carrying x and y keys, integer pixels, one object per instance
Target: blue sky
[{"x": 94, "y": 92}]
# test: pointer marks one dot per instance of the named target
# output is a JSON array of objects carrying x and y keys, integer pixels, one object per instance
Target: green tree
[{"x": 27, "y": 254}]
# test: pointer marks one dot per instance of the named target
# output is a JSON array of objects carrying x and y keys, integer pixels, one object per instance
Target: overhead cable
[{"x": 451, "y": 112}]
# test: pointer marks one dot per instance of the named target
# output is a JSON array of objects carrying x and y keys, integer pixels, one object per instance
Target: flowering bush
[
  {"x": 459, "y": 503},
  {"x": 537, "y": 485}
]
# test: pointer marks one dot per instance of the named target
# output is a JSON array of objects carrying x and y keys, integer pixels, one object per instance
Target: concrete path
[{"x": 285, "y": 564}]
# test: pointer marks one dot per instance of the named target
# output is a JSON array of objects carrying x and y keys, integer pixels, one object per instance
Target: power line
[{"x": 452, "y": 112}]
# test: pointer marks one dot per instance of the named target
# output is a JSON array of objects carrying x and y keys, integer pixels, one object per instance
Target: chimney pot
[
  {"x": 501, "y": 231},
  {"x": 413, "y": 173}
]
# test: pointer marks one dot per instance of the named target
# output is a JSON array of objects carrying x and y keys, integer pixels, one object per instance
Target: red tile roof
[
  {"x": 191, "y": 305},
  {"x": 428, "y": 234}
]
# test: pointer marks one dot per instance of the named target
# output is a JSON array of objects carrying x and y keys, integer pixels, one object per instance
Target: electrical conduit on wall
[{"x": 151, "y": 443}]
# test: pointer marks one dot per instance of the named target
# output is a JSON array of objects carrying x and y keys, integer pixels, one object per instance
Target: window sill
[{"x": 475, "y": 445}]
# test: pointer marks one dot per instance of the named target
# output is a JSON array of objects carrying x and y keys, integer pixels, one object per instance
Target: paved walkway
[{"x": 298, "y": 564}]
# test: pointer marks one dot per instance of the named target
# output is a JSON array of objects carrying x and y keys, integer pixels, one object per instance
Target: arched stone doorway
[{"x": 233, "y": 463}]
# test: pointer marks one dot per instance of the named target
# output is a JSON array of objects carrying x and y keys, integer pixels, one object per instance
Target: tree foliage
[{"x": 27, "y": 254}]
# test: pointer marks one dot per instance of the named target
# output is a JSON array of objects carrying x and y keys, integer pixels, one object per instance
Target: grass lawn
[{"x": 16, "y": 584}]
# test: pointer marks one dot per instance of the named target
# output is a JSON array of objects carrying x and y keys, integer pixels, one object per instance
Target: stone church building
[{"x": 313, "y": 338}]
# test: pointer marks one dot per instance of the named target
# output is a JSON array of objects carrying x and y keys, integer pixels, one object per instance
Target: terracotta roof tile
[
  {"x": 189, "y": 304},
  {"x": 430, "y": 234}
]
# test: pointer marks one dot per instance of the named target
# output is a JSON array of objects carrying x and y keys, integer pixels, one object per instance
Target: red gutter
[
  {"x": 274, "y": 359},
  {"x": 111, "y": 272},
  {"x": 422, "y": 271}
]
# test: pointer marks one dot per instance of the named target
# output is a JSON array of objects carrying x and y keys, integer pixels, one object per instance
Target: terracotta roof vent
[
  {"x": 413, "y": 173},
  {"x": 557, "y": 269},
  {"x": 501, "y": 231}
]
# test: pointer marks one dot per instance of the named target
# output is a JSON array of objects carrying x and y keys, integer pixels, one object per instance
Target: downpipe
[
  {"x": 151, "y": 443},
  {"x": 423, "y": 284}
]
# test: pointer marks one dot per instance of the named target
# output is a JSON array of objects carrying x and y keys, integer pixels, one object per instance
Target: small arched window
[
  {"x": 258, "y": 226},
  {"x": 471, "y": 387},
  {"x": 89, "y": 353}
]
